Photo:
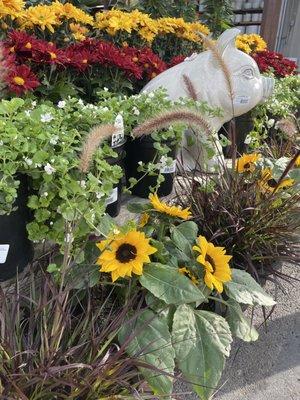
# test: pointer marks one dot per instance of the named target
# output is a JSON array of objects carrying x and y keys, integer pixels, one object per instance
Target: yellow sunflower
[
  {"x": 246, "y": 163},
  {"x": 125, "y": 254},
  {"x": 215, "y": 262},
  {"x": 144, "y": 220},
  {"x": 184, "y": 271},
  {"x": 173, "y": 211},
  {"x": 297, "y": 162},
  {"x": 267, "y": 183}
]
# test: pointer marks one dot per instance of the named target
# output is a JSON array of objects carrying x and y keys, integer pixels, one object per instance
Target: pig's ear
[{"x": 227, "y": 40}]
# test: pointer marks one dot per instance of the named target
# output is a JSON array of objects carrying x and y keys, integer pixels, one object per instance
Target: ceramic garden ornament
[{"x": 249, "y": 86}]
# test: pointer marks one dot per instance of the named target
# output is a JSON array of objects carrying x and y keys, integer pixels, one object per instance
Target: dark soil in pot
[
  {"x": 142, "y": 149},
  {"x": 16, "y": 250}
]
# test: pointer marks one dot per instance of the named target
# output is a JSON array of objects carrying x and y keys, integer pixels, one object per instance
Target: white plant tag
[
  {"x": 3, "y": 252},
  {"x": 241, "y": 99},
  {"x": 168, "y": 169},
  {"x": 112, "y": 197},
  {"x": 118, "y": 138}
]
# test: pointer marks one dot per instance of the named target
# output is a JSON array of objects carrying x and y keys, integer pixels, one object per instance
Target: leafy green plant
[
  {"x": 179, "y": 324},
  {"x": 283, "y": 104},
  {"x": 218, "y": 15},
  {"x": 182, "y": 8}
]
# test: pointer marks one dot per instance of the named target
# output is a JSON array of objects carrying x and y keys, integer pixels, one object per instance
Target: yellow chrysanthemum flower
[
  {"x": 246, "y": 163},
  {"x": 125, "y": 254},
  {"x": 215, "y": 262},
  {"x": 147, "y": 28},
  {"x": 173, "y": 211},
  {"x": 41, "y": 16},
  {"x": 250, "y": 43},
  {"x": 267, "y": 183},
  {"x": 11, "y": 8},
  {"x": 72, "y": 12},
  {"x": 184, "y": 271},
  {"x": 79, "y": 32}
]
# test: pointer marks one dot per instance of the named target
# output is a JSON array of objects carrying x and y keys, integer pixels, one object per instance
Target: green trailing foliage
[{"x": 218, "y": 15}]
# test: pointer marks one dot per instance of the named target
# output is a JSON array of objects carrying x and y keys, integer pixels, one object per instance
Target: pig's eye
[{"x": 248, "y": 73}]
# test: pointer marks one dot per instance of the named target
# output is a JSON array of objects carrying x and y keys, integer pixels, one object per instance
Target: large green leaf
[
  {"x": 149, "y": 340},
  {"x": 243, "y": 289},
  {"x": 189, "y": 231},
  {"x": 167, "y": 284},
  {"x": 201, "y": 340},
  {"x": 240, "y": 326}
]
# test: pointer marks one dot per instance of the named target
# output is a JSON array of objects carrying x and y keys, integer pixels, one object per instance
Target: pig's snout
[{"x": 268, "y": 87}]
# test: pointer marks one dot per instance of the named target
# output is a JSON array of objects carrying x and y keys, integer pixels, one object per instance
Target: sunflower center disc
[
  {"x": 125, "y": 253},
  {"x": 247, "y": 166},
  {"x": 272, "y": 183},
  {"x": 211, "y": 261}
]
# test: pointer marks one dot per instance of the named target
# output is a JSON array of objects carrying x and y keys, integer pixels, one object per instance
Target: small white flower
[
  {"x": 104, "y": 109},
  {"x": 105, "y": 89},
  {"x": 46, "y": 117},
  {"x": 140, "y": 163},
  {"x": 136, "y": 111},
  {"x": 38, "y": 165},
  {"x": 54, "y": 141},
  {"x": 99, "y": 195},
  {"x": 33, "y": 104},
  {"x": 51, "y": 223},
  {"x": 151, "y": 95},
  {"x": 271, "y": 122},
  {"x": 28, "y": 161},
  {"x": 248, "y": 139},
  {"x": 27, "y": 113},
  {"x": 45, "y": 194},
  {"x": 61, "y": 104},
  {"x": 80, "y": 102},
  {"x": 49, "y": 169},
  {"x": 82, "y": 184}
]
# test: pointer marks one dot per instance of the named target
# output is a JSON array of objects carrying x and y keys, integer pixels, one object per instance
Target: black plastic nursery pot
[
  {"x": 16, "y": 250},
  {"x": 243, "y": 126},
  {"x": 114, "y": 200},
  {"x": 142, "y": 149}
]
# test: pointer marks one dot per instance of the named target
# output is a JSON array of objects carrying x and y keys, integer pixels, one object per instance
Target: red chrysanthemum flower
[
  {"x": 21, "y": 43},
  {"x": 275, "y": 62},
  {"x": 176, "y": 60},
  {"x": 151, "y": 64},
  {"x": 20, "y": 79}
]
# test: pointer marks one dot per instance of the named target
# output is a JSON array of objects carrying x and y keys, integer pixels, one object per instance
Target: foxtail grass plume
[
  {"x": 165, "y": 119},
  {"x": 190, "y": 88},
  {"x": 209, "y": 44},
  {"x": 287, "y": 126},
  {"x": 96, "y": 136}
]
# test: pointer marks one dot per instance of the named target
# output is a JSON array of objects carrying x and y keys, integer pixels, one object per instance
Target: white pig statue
[{"x": 249, "y": 86}]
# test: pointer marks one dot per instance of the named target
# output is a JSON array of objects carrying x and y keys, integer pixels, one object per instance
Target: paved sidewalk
[{"x": 268, "y": 369}]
